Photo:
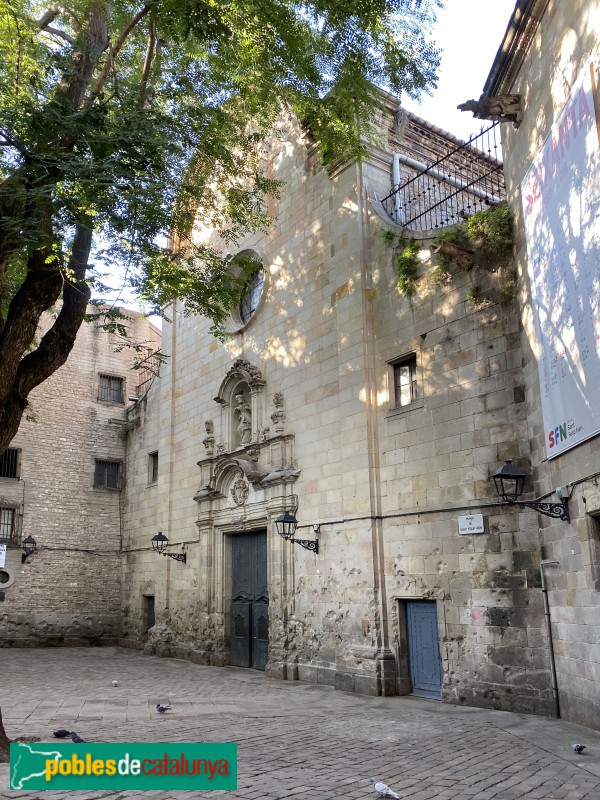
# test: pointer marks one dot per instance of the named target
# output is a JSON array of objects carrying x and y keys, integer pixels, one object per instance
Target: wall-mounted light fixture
[
  {"x": 29, "y": 546},
  {"x": 510, "y": 481},
  {"x": 160, "y": 544},
  {"x": 287, "y": 523}
]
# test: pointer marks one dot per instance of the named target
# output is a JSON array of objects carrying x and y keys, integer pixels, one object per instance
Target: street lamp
[
  {"x": 29, "y": 546},
  {"x": 286, "y": 525},
  {"x": 160, "y": 544},
  {"x": 510, "y": 482}
]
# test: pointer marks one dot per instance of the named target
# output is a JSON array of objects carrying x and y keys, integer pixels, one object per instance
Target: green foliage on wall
[
  {"x": 488, "y": 235},
  {"x": 490, "y": 232},
  {"x": 407, "y": 263}
]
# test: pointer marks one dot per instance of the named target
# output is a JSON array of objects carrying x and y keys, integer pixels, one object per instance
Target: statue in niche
[
  {"x": 244, "y": 414},
  {"x": 209, "y": 440}
]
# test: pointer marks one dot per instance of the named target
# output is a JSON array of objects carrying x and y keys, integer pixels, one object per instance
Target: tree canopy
[{"x": 118, "y": 120}]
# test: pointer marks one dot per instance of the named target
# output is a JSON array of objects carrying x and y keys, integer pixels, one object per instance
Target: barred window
[
  {"x": 110, "y": 388},
  {"x": 7, "y": 525},
  {"x": 106, "y": 474},
  {"x": 9, "y": 463},
  {"x": 405, "y": 382}
]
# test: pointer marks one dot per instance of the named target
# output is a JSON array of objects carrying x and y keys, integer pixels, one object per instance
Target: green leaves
[{"x": 167, "y": 124}]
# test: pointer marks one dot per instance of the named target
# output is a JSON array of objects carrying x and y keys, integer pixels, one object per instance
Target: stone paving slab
[{"x": 295, "y": 740}]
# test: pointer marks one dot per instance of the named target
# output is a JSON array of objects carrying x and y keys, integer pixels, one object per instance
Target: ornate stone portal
[{"x": 246, "y": 479}]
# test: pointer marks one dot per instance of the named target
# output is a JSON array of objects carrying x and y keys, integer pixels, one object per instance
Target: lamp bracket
[
  {"x": 554, "y": 510},
  {"x": 177, "y": 556},
  {"x": 308, "y": 544},
  {"x": 25, "y": 556}
]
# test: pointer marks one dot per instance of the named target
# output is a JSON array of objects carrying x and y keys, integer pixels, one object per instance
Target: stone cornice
[{"x": 515, "y": 47}]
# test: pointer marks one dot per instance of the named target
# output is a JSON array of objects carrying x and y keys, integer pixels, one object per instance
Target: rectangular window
[
  {"x": 106, "y": 474},
  {"x": 152, "y": 467},
  {"x": 110, "y": 388},
  {"x": 9, "y": 463},
  {"x": 7, "y": 524},
  {"x": 405, "y": 382}
]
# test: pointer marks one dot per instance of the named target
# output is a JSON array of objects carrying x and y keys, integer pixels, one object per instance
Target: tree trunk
[{"x": 4, "y": 743}]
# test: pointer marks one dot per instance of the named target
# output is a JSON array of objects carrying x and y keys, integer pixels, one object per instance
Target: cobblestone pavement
[{"x": 296, "y": 740}]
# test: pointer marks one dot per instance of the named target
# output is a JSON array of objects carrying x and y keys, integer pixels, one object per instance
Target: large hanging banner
[{"x": 561, "y": 206}]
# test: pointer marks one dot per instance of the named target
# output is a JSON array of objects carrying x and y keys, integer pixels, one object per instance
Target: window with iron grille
[
  {"x": 110, "y": 388},
  {"x": 9, "y": 463},
  {"x": 152, "y": 467},
  {"x": 405, "y": 382},
  {"x": 106, "y": 474},
  {"x": 8, "y": 528}
]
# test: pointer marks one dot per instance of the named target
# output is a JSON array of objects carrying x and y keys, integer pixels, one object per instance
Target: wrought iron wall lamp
[
  {"x": 29, "y": 546},
  {"x": 286, "y": 525},
  {"x": 510, "y": 481},
  {"x": 160, "y": 543}
]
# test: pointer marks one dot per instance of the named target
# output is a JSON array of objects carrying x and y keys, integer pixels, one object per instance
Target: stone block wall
[
  {"x": 385, "y": 485},
  {"x": 69, "y": 591},
  {"x": 564, "y": 43}
]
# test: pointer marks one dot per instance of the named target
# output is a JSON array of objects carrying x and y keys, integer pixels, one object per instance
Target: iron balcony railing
[{"x": 467, "y": 179}]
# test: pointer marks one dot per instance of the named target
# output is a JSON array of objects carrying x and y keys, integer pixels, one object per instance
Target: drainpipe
[
  {"x": 549, "y": 629},
  {"x": 398, "y": 213},
  {"x": 442, "y": 176}
]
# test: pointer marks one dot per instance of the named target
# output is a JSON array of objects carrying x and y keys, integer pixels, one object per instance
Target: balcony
[{"x": 465, "y": 179}]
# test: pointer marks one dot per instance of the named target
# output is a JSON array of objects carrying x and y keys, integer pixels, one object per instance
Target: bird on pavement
[
  {"x": 77, "y": 739},
  {"x": 61, "y": 733},
  {"x": 579, "y": 748},
  {"x": 383, "y": 790},
  {"x": 162, "y": 709},
  {"x": 115, "y": 683}
]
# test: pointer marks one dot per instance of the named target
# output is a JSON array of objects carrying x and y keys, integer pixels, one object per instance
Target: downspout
[
  {"x": 549, "y": 629},
  {"x": 457, "y": 183},
  {"x": 398, "y": 213}
]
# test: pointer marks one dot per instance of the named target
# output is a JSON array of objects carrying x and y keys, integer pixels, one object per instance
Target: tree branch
[
  {"x": 56, "y": 344},
  {"x": 57, "y": 32},
  {"x": 148, "y": 61},
  {"x": 53, "y": 12},
  {"x": 99, "y": 85}
]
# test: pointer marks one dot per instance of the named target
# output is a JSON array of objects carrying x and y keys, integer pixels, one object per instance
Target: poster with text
[{"x": 561, "y": 206}]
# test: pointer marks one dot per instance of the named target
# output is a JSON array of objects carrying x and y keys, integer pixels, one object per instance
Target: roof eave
[{"x": 515, "y": 46}]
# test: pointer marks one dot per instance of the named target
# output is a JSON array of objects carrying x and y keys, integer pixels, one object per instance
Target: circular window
[
  {"x": 6, "y": 578},
  {"x": 251, "y": 295}
]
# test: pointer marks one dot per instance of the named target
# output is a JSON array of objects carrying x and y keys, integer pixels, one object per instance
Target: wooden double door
[{"x": 249, "y": 600}]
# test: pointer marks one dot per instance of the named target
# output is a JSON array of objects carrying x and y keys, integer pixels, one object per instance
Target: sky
[{"x": 469, "y": 33}]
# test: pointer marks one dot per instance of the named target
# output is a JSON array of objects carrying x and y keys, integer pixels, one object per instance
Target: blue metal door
[{"x": 424, "y": 661}]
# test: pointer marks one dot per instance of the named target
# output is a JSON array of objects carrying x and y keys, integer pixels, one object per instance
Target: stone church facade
[
  {"x": 377, "y": 419},
  {"x": 371, "y": 402}
]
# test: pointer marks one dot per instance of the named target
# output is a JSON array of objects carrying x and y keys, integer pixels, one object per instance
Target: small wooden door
[
  {"x": 424, "y": 660},
  {"x": 249, "y": 600}
]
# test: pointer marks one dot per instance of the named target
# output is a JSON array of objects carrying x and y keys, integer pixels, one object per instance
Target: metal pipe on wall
[{"x": 544, "y": 564}]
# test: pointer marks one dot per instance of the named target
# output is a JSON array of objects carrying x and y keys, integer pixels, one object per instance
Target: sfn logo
[{"x": 557, "y": 435}]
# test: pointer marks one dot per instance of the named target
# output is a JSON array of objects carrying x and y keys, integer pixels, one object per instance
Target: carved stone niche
[
  {"x": 266, "y": 459},
  {"x": 241, "y": 399}
]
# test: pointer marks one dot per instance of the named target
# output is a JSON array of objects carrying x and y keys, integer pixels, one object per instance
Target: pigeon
[
  {"x": 579, "y": 748},
  {"x": 383, "y": 790},
  {"x": 61, "y": 733},
  {"x": 162, "y": 709},
  {"x": 115, "y": 683},
  {"x": 77, "y": 739}
]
